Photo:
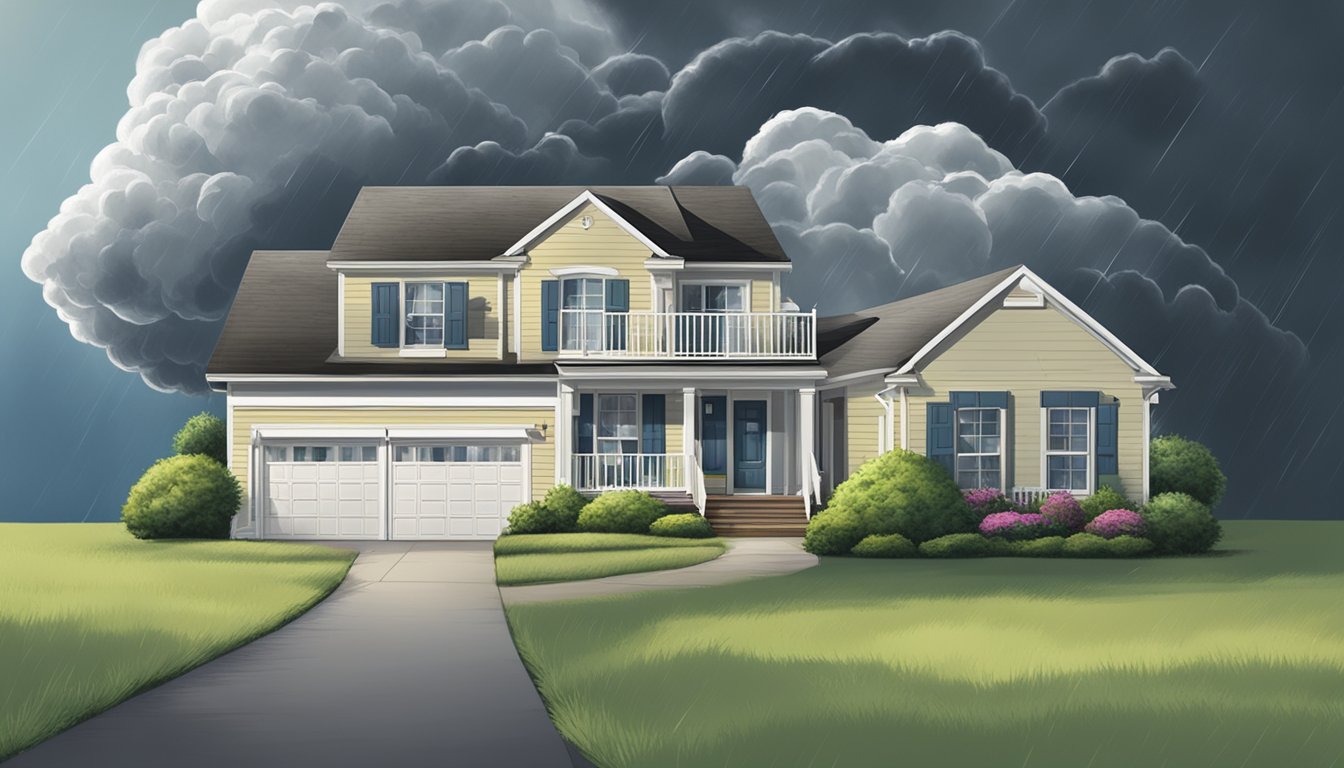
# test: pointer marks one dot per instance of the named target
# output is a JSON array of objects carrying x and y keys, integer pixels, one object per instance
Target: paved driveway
[{"x": 408, "y": 663}]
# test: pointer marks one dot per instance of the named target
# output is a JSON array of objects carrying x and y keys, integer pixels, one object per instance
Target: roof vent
[{"x": 586, "y": 222}]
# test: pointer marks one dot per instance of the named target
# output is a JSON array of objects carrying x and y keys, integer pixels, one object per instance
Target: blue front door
[
  {"x": 748, "y": 445},
  {"x": 714, "y": 434}
]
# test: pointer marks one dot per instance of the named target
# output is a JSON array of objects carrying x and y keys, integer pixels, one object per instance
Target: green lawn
[
  {"x": 1232, "y": 659},
  {"x": 546, "y": 557},
  {"x": 90, "y": 616}
]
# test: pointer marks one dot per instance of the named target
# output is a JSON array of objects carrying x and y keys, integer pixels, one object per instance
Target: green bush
[
  {"x": 621, "y": 512},
  {"x": 565, "y": 503},
  {"x": 182, "y": 497},
  {"x": 1048, "y": 546},
  {"x": 203, "y": 435},
  {"x": 557, "y": 512},
  {"x": 897, "y": 492},
  {"x": 1180, "y": 525},
  {"x": 686, "y": 526},
  {"x": 885, "y": 545},
  {"x": 965, "y": 545},
  {"x": 1085, "y": 545},
  {"x": 1178, "y": 465},
  {"x": 1105, "y": 499},
  {"x": 1130, "y": 546}
]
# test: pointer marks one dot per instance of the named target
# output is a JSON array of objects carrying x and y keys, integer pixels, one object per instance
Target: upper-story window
[
  {"x": 419, "y": 316},
  {"x": 582, "y": 300},
  {"x": 424, "y": 315},
  {"x": 713, "y": 297}
]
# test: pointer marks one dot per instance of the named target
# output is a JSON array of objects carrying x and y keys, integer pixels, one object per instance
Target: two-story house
[{"x": 460, "y": 350}]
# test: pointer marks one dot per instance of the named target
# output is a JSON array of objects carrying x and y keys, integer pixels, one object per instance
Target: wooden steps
[{"x": 756, "y": 515}]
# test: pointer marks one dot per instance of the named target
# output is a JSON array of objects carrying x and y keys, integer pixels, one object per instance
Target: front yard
[
  {"x": 547, "y": 557},
  {"x": 1234, "y": 658},
  {"x": 90, "y": 615}
]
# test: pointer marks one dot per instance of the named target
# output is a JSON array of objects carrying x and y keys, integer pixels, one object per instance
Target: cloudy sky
[{"x": 1171, "y": 166}]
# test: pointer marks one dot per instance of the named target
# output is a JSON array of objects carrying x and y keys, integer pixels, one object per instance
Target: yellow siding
[
  {"x": 543, "y": 453},
  {"x": 763, "y": 295},
  {"x": 861, "y": 423},
  {"x": 674, "y": 419},
  {"x": 605, "y": 244},
  {"x": 483, "y": 315},
  {"x": 1025, "y": 351}
]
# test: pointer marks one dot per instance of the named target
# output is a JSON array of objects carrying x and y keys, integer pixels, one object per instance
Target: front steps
[{"x": 756, "y": 515}]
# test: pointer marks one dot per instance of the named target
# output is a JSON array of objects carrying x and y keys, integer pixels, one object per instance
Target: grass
[
  {"x": 548, "y": 557},
  {"x": 90, "y": 616},
  {"x": 1231, "y": 659}
]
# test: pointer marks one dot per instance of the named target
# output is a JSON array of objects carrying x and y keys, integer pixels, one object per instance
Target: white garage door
[
  {"x": 454, "y": 490},
  {"x": 321, "y": 492}
]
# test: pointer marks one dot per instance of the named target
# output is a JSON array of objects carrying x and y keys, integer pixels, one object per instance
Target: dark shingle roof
[
  {"x": 477, "y": 223},
  {"x": 894, "y": 332}
]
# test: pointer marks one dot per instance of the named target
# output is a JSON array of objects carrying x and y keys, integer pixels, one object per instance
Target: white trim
[
  {"x": 499, "y": 312},
  {"x": 340, "y": 314},
  {"x": 388, "y": 401},
  {"x": 492, "y": 265},
  {"x": 311, "y": 432},
  {"x": 583, "y": 270},
  {"x": 364, "y": 377},
  {"x": 585, "y": 197},
  {"x": 1091, "y": 473},
  {"x": 422, "y": 351},
  {"x": 706, "y": 372},
  {"x": 518, "y": 317},
  {"x": 905, "y": 419},
  {"x": 831, "y": 383},
  {"x": 681, "y": 264},
  {"x": 1068, "y": 307},
  {"x": 466, "y": 432},
  {"x": 1148, "y": 402},
  {"x": 1003, "y": 444}
]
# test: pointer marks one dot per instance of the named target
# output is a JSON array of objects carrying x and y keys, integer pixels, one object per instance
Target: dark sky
[{"x": 1207, "y": 133}]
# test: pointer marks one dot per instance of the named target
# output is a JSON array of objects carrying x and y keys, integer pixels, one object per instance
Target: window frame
[
  {"x": 406, "y": 312},
  {"x": 1089, "y": 471},
  {"x": 745, "y": 285},
  {"x": 957, "y": 453},
  {"x": 581, "y": 312},
  {"x": 638, "y": 424},
  {"x": 403, "y": 302}
]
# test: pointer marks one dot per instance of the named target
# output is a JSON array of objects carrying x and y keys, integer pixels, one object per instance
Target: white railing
[
  {"x": 815, "y": 475},
  {"x": 645, "y": 471},
  {"x": 1024, "y": 496},
  {"x": 697, "y": 481},
  {"x": 691, "y": 335}
]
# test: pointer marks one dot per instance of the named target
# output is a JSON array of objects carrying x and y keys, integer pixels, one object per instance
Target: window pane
[
  {"x": 510, "y": 453},
  {"x": 691, "y": 298},
  {"x": 347, "y": 453},
  {"x": 405, "y": 453}
]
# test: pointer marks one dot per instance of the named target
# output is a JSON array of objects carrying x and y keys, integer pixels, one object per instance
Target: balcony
[{"x": 588, "y": 333}]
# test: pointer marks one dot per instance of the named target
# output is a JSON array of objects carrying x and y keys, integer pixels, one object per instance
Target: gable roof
[{"x": 478, "y": 223}]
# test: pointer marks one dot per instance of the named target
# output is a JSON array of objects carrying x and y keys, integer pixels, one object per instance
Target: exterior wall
[
  {"x": 1025, "y": 351},
  {"x": 862, "y": 412},
  {"x": 543, "y": 453},
  {"x": 483, "y": 315}
]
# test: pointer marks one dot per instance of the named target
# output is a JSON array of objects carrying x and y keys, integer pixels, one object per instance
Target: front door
[{"x": 749, "y": 445}]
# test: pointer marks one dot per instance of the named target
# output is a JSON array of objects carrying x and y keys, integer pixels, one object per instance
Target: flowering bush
[
  {"x": 1062, "y": 508},
  {"x": 1017, "y": 525},
  {"x": 987, "y": 501},
  {"x": 1116, "y": 522}
]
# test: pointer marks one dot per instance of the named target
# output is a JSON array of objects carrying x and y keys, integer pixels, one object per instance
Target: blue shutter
[
  {"x": 583, "y": 429},
  {"x": 618, "y": 300},
  {"x": 939, "y": 434},
  {"x": 655, "y": 424},
  {"x": 455, "y": 315},
  {"x": 1108, "y": 422},
  {"x": 550, "y": 315},
  {"x": 386, "y": 301}
]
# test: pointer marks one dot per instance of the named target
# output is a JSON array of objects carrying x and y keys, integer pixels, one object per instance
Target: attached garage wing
[{"x": 454, "y": 490}]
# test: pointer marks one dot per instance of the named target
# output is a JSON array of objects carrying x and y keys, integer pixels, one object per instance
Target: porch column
[
  {"x": 807, "y": 421},
  {"x": 564, "y": 440},
  {"x": 688, "y": 434}
]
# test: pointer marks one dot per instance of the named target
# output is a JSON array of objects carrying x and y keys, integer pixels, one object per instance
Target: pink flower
[
  {"x": 1116, "y": 522},
  {"x": 1062, "y": 508}
]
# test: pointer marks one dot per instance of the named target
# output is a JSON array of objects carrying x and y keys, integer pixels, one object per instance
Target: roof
[
  {"x": 284, "y": 321},
  {"x": 884, "y": 337},
  {"x": 478, "y": 223}
]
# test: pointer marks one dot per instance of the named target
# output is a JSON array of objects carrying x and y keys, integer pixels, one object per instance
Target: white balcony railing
[
  {"x": 689, "y": 335},
  {"x": 645, "y": 471}
]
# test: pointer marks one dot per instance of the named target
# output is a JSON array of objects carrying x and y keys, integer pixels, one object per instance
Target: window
[
  {"x": 617, "y": 424},
  {"x": 438, "y": 454},
  {"x": 424, "y": 314},
  {"x": 359, "y": 453},
  {"x": 721, "y": 328},
  {"x": 277, "y": 453},
  {"x": 582, "y": 300},
  {"x": 979, "y": 448},
  {"x": 1067, "y": 448},
  {"x": 712, "y": 297}
]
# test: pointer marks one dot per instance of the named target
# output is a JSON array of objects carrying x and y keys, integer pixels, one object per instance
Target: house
[{"x": 460, "y": 350}]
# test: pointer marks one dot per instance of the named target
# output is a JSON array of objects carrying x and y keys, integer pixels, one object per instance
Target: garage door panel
[
  {"x": 323, "y": 498},
  {"x": 439, "y": 494}
]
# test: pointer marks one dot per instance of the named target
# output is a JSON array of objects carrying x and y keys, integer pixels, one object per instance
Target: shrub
[
  {"x": 534, "y": 517},
  {"x": 203, "y": 435},
  {"x": 1129, "y": 546},
  {"x": 1104, "y": 499},
  {"x": 901, "y": 492},
  {"x": 831, "y": 533},
  {"x": 1047, "y": 546},
  {"x": 1178, "y": 465},
  {"x": 1116, "y": 522},
  {"x": 182, "y": 497},
  {"x": 1017, "y": 525},
  {"x": 687, "y": 526},
  {"x": 1179, "y": 524},
  {"x": 964, "y": 545},
  {"x": 621, "y": 512},
  {"x": 885, "y": 545},
  {"x": 1064, "y": 509},
  {"x": 987, "y": 501},
  {"x": 1085, "y": 545}
]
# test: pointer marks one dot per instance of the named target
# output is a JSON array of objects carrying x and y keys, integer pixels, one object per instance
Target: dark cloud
[{"x": 632, "y": 74}]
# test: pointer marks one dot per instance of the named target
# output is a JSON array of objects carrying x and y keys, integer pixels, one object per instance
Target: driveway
[{"x": 408, "y": 663}]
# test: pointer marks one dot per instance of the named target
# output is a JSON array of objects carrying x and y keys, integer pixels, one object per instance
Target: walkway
[
  {"x": 745, "y": 559},
  {"x": 408, "y": 663}
]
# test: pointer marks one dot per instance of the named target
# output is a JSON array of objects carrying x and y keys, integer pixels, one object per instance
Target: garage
[{"x": 403, "y": 486}]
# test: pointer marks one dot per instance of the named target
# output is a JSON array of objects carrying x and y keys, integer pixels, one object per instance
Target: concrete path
[
  {"x": 745, "y": 559},
  {"x": 408, "y": 663}
]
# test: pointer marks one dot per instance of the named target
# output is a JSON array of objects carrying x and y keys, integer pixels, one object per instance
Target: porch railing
[
  {"x": 645, "y": 471},
  {"x": 690, "y": 335},
  {"x": 1023, "y": 496},
  {"x": 698, "y": 481}
]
